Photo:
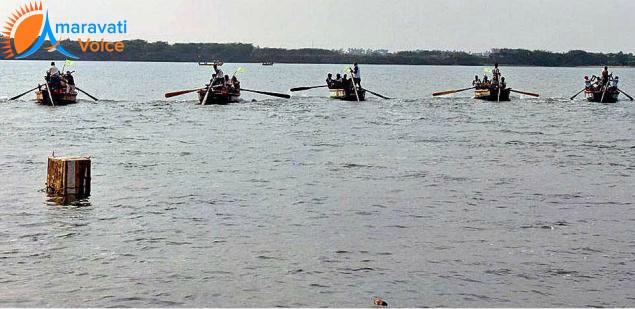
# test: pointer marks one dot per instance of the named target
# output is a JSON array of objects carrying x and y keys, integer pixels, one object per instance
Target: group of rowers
[
  {"x": 494, "y": 83},
  {"x": 221, "y": 81},
  {"x": 58, "y": 80},
  {"x": 343, "y": 82},
  {"x": 606, "y": 79}
]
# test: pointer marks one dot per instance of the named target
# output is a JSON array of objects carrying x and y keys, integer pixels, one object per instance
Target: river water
[{"x": 312, "y": 202}]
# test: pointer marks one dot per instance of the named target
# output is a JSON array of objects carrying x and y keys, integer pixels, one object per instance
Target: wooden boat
[
  {"x": 61, "y": 96},
  {"x": 491, "y": 94},
  {"x": 267, "y": 63},
  {"x": 595, "y": 95},
  {"x": 342, "y": 94},
  {"x": 219, "y": 95}
]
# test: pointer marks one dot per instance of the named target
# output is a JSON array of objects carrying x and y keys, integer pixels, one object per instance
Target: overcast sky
[{"x": 470, "y": 25}]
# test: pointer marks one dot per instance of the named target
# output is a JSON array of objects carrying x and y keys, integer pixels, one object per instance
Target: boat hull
[
  {"x": 59, "y": 97},
  {"x": 488, "y": 94},
  {"x": 341, "y": 94},
  {"x": 219, "y": 97},
  {"x": 598, "y": 96}
]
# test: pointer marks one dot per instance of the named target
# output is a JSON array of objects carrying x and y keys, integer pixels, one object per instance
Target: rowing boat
[
  {"x": 491, "y": 94},
  {"x": 598, "y": 95},
  {"x": 219, "y": 95},
  {"x": 342, "y": 94},
  {"x": 61, "y": 96}
]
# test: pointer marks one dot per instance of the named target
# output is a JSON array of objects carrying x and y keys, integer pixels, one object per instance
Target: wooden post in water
[{"x": 68, "y": 179}]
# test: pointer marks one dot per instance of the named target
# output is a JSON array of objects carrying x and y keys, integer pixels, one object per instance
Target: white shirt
[
  {"x": 614, "y": 83},
  {"x": 219, "y": 74},
  {"x": 53, "y": 70},
  {"x": 587, "y": 83},
  {"x": 357, "y": 74}
]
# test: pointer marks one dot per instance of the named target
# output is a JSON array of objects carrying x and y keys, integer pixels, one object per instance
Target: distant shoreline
[{"x": 143, "y": 51}]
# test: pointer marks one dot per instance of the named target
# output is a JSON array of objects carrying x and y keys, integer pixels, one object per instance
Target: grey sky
[{"x": 471, "y": 25}]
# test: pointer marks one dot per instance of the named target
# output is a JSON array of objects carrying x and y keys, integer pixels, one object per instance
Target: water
[{"x": 311, "y": 202}]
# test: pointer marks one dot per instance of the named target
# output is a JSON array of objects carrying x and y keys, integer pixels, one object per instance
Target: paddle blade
[
  {"x": 626, "y": 94},
  {"x": 273, "y": 94},
  {"x": 525, "y": 93},
  {"x": 180, "y": 92},
  {"x": 450, "y": 91},
  {"x": 86, "y": 93},
  {"x": 306, "y": 88},
  {"x": 22, "y": 94},
  {"x": 377, "y": 94}
]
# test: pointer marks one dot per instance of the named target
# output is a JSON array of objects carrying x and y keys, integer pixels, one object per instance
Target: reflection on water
[{"x": 312, "y": 202}]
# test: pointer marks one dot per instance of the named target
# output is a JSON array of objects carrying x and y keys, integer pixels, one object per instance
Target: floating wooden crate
[{"x": 68, "y": 179}]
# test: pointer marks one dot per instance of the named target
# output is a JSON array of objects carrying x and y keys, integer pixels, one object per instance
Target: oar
[
  {"x": 86, "y": 93},
  {"x": 306, "y": 88},
  {"x": 450, "y": 91},
  {"x": 48, "y": 90},
  {"x": 626, "y": 94},
  {"x": 526, "y": 93},
  {"x": 204, "y": 102},
  {"x": 377, "y": 94},
  {"x": 604, "y": 92},
  {"x": 274, "y": 94},
  {"x": 20, "y": 95},
  {"x": 181, "y": 92},
  {"x": 575, "y": 95}
]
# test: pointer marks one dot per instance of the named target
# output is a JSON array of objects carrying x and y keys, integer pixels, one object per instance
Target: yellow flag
[
  {"x": 487, "y": 70},
  {"x": 68, "y": 63},
  {"x": 239, "y": 70}
]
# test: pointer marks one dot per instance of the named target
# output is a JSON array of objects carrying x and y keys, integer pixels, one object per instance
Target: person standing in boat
[
  {"x": 218, "y": 78},
  {"x": 605, "y": 76},
  {"x": 357, "y": 75},
  {"x": 495, "y": 74},
  {"x": 53, "y": 70}
]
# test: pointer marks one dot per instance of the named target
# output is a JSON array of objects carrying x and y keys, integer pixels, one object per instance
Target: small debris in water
[{"x": 379, "y": 302}]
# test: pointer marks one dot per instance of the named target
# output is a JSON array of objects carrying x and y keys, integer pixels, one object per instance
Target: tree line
[{"x": 140, "y": 50}]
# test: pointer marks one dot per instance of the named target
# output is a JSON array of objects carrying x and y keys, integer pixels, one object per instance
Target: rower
[
  {"x": 357, "y": 75},
  {"x": 70, "y": 82},
  {"x": 587, "y": 82},
  {"x": 329, "y": 80},
  {"x": 338, "y": 81},
  {"x": 615, "y": 81},
  {"x": 235, "y": 83},
  {"x": 476, "y": 82},
  {"x": 227, "y": 82},
  {"x": 503, "y": 84},
  {"x": 485, "y": 80},
  {"x": 346, "y": 83}
]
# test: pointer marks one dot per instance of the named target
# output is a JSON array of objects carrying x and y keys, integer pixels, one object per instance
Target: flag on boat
[
  {"x": 240, "y": 70},
  {"x": 487, "y": 70},
  {"x": 68, "y": 63}
]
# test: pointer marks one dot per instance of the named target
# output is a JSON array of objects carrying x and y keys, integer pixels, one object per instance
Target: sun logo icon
[{"x": 26, "y": 31}]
